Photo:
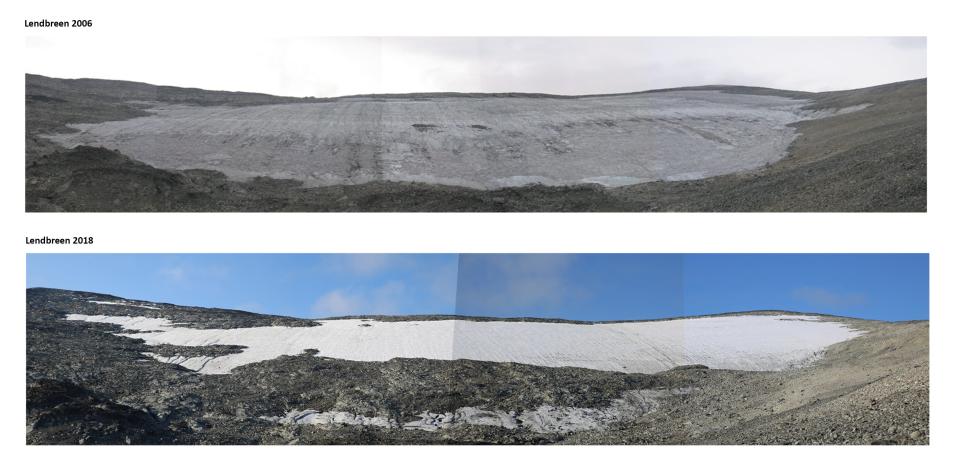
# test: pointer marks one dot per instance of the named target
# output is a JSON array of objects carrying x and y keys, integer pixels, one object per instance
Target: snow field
[{"x": 743, "y": 342}]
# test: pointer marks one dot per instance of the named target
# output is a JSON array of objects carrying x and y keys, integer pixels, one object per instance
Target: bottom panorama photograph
[{"x": 625, "y": 349}]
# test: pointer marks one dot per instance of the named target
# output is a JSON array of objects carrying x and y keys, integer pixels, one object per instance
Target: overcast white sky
[{"x": 562, "y": 65}]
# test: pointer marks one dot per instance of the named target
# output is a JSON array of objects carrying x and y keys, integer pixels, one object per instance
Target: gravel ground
[{"x": 870, "y": 390}]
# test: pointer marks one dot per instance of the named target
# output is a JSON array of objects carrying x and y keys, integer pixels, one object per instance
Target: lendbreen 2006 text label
[{"x": 45, "y": 23}]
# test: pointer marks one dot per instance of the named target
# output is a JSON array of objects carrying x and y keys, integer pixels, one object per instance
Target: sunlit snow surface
[
  {"x": 474, "y": 142},
  {"x": 743, "y": 342}
]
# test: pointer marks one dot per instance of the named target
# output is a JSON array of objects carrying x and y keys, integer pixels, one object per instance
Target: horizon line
[
  {"x": 454, "y": 316},
  {"x": 493, "y": 94}
]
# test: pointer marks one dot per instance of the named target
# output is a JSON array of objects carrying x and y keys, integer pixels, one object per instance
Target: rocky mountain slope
[
  {"x": 93, "y": 382},
  {"x": 717, "y": 148}
]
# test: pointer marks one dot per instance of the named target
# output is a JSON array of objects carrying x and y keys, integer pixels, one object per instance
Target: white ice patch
[
  {"x": 547, "y": 418},
  {"x": 313, "y": 417},
  {"x": 826, "y": 113},
  {"x": 524, "y": 180},
  {"x": 126, "y": 304},
  {"x": 544, "y": 419},
  {"x": 126, "y": 322},
  {"x": 613, "y": 180},
  {"x": 743, "y": 342}
]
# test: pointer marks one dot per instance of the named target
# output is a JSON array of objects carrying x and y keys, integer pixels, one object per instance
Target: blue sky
[
  {"x": 305, "y": 285},
  {"x": 874, "y": 286},
  {"x": 573, "y": 286}
]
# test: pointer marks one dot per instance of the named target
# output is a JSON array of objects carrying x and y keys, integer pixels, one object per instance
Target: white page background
[{"x": 934, "y": 232}]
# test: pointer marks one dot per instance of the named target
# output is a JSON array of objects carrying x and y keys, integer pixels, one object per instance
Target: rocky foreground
[{"x": 87, "y": 385}]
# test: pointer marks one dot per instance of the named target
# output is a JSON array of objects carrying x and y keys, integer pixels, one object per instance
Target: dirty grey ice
[{"x": 486, "y": 142}]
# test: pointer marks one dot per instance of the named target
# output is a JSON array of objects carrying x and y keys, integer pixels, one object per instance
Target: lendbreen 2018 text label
[
  {"x": 46, "y": 240},
  {"x": 45, "y": 23}
]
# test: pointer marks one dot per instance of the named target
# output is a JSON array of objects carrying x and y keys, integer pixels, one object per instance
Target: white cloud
[
  {"x": 389, "y": 283},
  {"x": 512, "y": 283},
  {"x": 385, "y": 299},
  {"x": 174, "y": 274},
  {"x": 337, "y": 303},
  {"x": 181, "y": 272}
]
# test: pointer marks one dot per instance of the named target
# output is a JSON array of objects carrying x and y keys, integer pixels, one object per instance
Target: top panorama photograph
[{"x": 477, "y": 124}]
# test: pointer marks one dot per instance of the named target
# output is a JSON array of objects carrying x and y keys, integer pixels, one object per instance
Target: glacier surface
[{"x": 741, "y": 342}]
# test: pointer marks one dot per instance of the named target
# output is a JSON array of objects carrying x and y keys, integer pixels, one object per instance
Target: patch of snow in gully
[
  {"x": 748, "y": 342},
  {"x": 125, "y": 304},
  {"x": 547, "y": 418},
  {"x": 544, "y": 419},
  {"x": 313, "y": 417}
]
